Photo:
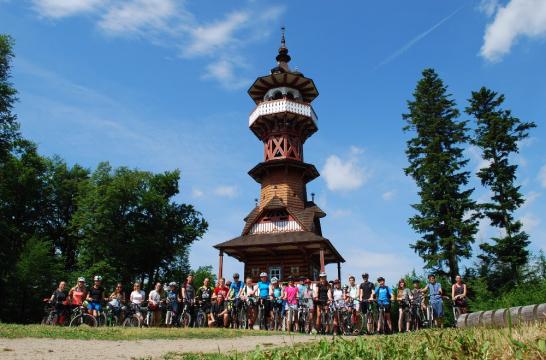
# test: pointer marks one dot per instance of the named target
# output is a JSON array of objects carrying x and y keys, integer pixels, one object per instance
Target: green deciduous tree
[
  {"x": 445, "y": 218},
  {"x": 130, "y": 227},
  {"x": 9, "y": 127},
  {"x": 497, "y": 134}
]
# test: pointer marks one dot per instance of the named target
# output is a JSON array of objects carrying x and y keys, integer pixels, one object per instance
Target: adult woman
[
  {"x": 322, "y": 296},
  {"x": 290, "y": 295},
  {"x": 59, "y": 300},
  {"x": 458, "y": 295},
  {"x": 247, "y": 294},
  {"x": 116, "y": 300},
  {"x": 338, "y": 296},
  {"x": 78, "y": 293},
  {"x": 136, "y": 299},
  {"x": 403, "y": 296},
  {"x": 155, "y": 298}
]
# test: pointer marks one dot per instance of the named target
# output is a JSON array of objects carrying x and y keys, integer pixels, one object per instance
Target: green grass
[
  {"x": 117, "y": 333},
  {"x": 478, "y": 343}
]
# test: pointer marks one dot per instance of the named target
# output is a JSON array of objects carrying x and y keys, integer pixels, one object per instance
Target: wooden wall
[{"x": 286, "y": 184}]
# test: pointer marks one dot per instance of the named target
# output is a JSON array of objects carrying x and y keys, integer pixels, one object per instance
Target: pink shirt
[{"x": 291, "y": 295}]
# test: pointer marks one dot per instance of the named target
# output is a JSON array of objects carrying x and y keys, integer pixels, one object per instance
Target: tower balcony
[{"x": 282, "y": 106}]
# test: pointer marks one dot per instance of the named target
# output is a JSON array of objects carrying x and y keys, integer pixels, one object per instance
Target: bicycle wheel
[
  {"x": 243, "y": 318},
  {"x": 83, "y": 320},
  {"x": 185, "y": 320},
  {"x": 201, "y": 320},
  {"x": 102, "y": 320},
  {"x": 131, "y": 321},
  {"x": 358, "y": 323}
]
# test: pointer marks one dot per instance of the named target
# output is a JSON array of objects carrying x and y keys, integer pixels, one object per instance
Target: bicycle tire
[
  {"x": 83, "y": 319},
  {"x": 201, "y": 320},
  {"x": 131, "y": 321},
  {"x": 243, "y": 318},
  {"x": 185, "y": 320}
]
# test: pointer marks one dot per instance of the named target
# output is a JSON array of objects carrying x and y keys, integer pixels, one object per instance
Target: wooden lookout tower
[{"x": 282, "y": 235}]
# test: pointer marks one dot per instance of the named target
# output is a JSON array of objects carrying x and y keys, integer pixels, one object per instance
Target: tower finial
[{"x": 283, "y": 58}]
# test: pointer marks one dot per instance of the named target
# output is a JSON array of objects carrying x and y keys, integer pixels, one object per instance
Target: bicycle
[
  {"x": 232, "y": 314},
  {"x": 243, "y": 316},
  {"x": 404, "y": 305},
  {"x": 417, "y": 316},
  {"x": 201, "y": 316},
  {"x": 134, "y": 317},
  {"x": 304, "y": 324},
  {"x": 276, "y": 320},
  {"x": 369, "y": 319},
  {"x": 79, "y": 317},
  {"x": 381, "y": 320},
  {"x": 52, "y": 316},
  {"x": 262, "y": 316}
]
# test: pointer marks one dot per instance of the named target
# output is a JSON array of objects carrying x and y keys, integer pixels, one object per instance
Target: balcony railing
[{"x": 282, "y": 105}]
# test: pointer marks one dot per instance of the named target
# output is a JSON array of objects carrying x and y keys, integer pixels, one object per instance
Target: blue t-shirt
[
  {"x": 264, "y": 289},
  {"x": 434, "y": 292},
  {"x": 236, "y": 286},
  {"x": 277, "y": 293},
  {"x": 172, "y": 295},
  {"x": 383, "y": 294}
]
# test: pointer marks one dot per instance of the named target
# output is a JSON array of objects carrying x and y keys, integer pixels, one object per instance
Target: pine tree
[
  {"x": 497, "y": 134},
  {"x": 446, "y": 218}
]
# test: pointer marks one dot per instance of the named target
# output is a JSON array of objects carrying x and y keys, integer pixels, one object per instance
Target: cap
[
  {"x": 263, "y": 274},
  {"x": 322, "y": 274}
]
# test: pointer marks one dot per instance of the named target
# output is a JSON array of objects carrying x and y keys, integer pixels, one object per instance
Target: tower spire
[{"x": 283, "y": 58}]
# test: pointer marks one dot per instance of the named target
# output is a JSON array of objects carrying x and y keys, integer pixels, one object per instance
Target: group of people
[{"x": 270, "y": 295}]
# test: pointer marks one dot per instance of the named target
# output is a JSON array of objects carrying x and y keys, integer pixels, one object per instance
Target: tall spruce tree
[
  {"x": 497, "y": 134},
  {"x": 446, "y": 219}
]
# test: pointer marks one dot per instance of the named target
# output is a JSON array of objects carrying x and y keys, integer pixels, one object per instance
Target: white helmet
[
  {"x": 172, "y": 283},
  {"x": 274, "y": 280},
  {"x": 97, "y": 278},
  {"x": 322, "y": 274},
  {"x": 81, "y": 278},
  {"x": 263, "y": 274}
]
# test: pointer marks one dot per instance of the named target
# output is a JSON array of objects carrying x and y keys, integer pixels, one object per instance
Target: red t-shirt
[{"x": 221, "y": 290}]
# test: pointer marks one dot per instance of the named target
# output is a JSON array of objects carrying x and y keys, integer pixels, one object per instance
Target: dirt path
[{"x": 36, "y": 348}]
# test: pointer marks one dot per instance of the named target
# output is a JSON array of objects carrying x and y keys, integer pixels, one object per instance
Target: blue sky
[{"x": 161, "y": 84}]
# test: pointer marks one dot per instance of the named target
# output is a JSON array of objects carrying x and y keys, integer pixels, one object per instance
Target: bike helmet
[
  {"x": 322, "y": 274},
  {"x": 381, "y": 278},
  {"x": 336, "y": 281},
  {"x": 365, "y": 276},
  {"x": 236, "y": 275},
  {"x": 97, "y": 278},
  {"x": 274, "y": 280},
  {"x": 263, "y": 274},
  {"x": 172, "y": 283},
  {"x": 81, "y": 279}
]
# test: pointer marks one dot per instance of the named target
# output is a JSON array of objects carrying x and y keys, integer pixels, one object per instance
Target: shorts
[
  {"x": 94, "y": 305},
  {"x": 437, "y": 309},
  {"x": 387, "y": 307},
  {"x": 365, "y": 307},
  {"x": 292, "y": 307}
]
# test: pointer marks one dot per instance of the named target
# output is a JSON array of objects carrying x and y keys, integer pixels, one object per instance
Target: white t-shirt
[
  {"x": 337, "y": 294},
  {"x": 137, "y": 297},
  {"x": 154, "y": 296}
]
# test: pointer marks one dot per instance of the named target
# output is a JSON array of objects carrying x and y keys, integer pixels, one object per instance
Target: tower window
[{"x": 275, "y": 271}]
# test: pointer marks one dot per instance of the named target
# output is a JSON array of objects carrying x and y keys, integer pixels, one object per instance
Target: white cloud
[
  {"x": 518, "y": 18},
  {"x": 341, "y": 213},
  {"x": 476, "y": 155},
  {"x": 223, "y": 71},
  {"x": 530, "y": 198},
  {"x": 197, "y": 193},
  {"x": 489, "y": 7},
  {"x": 388, "y": 195},
  {"x": 530, "y": 222},
  {"x": 138, "y": 16},
  {"x": 63, "y": 8},
  {"x": 226, "y": 191},
  {"x": 208, "y": 38},
  {"x": 542, "y": 176},
  {"x": 390, "y": 265},
  {"x": 344, "y": 175}
]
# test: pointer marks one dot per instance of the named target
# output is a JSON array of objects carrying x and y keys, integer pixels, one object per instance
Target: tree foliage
[
  {"x": 444, "y": 216},
  {"x": 497, "y": 134}
]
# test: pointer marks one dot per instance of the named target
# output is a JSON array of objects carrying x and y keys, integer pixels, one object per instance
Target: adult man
[
  {"x": 220, "y": 288},
  {"x": 204, "y": 295},
  {"x": 434, "y": 290},
  {"x": 384, "y": 296},
  {"x": 234, "y": 289},
  {"x": 95, "y": 296},
  {"x": 218, "y": 315},
  {"x": 353, "y": 293},
  {"x": 364, "y": 293},
  {"x": 187, "y": 296}
]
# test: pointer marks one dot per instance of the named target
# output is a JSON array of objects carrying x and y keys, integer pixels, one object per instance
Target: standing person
[
  {"x": 171, "y": 298},
  {"x": 290, "y": 295},
  {"x": 416, "y": 302},
  {"x": 364, "y": 294},
  {"x": 458, "y": 295},
  {"x": 78, "y": 293},
  {"x": 263, "y": 296},
  {"x": 95, "y": 296},
  {"x": 234, "y": 290},
  {"x": 338, "y": 296},
  {"x": 435, "y": 292},
  {"x": 155, "y": 299},
  {"x": 403, "y": 296},
  {"x": 322, "y": 296},
  {"x": 305, "y": 295},
  {"x": 59, "y": 300},
  {"x": 218, "y": 315},
  {"x": 136, "y": 298},
  {"x": 248, "y": 294},
  {"x": 116, "y": 300},
  {"x": 204, "y": 295},
  {"x": 276, "y": 296},
  {"x": 220, "y": 288},
  {"x": 353, "y": 293},
  {"x": 384, "y": 296}
]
